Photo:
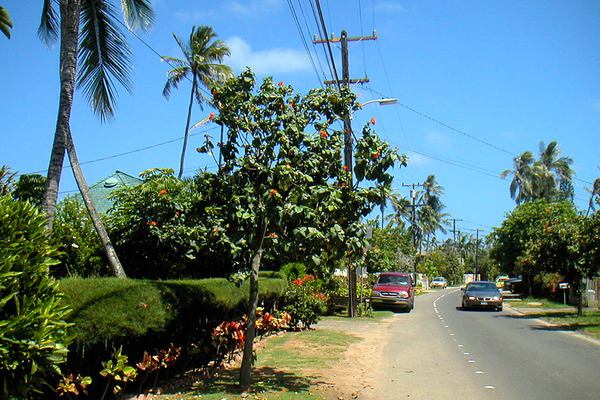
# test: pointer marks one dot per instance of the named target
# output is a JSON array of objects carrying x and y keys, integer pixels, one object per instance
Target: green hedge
[{"x": 110, "y": 309}]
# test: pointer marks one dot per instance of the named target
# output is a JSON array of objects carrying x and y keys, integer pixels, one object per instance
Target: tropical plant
[
  {"x": 33, "y": 331},
  {"x": 101, "y": 50},
  {"x": 548, "y": 178},
  {"x": 118, "y": 371},
  {"x": 6, "y": 180},
  {"x": 304, "y": 302},
  {"x": 81, "y": 250},
  {"x": 5, "y": 22},
  {"x": 282, "y": 188},
  {"x": 594, "y": 196},
  {"x": 521, "y": 186},
  {"x": 203, "y": 62},
  {"x": 30, "y": 187}
]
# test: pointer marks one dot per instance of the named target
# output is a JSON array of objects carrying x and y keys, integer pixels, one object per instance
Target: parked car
[
  {"x": 393, "y": 290},
  {"x": 514, "y": 285},
  {"x": 481, "y": 294},
  {"x": 500, "y": 280},
  {"x": 439, "y": 282}
]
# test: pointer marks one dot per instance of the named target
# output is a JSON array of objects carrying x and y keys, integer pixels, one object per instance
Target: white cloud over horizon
[{"x": 265, "y": 62}]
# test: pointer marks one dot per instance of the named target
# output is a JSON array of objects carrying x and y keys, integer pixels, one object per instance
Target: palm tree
[
  {"x": 101, "y": 50},
  {"x": 6, "y": 180},
  {"x": 553, "y": 172},
  {"x": 594, "y": 192},
  {"x": 5, "y": 22},
  {"x": 202, "y": 62},
  {"x": 521, "y": 186}
]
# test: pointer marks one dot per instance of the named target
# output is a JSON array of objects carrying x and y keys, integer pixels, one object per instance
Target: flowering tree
[{"x": 282, "y": 187}]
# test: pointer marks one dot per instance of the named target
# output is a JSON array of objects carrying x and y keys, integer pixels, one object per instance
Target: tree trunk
[
  {"x": 84, "y": 189},
  {"x": 248, "y": 357},
  {"x": 187, "y": 129},
  {"x": 69, "y": 14},
  {"x": 63, "y": 141}
]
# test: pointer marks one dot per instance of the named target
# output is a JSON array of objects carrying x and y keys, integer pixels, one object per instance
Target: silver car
[
  {"x": 439, "y": 282},
  {"x": 481, "y": 294}
]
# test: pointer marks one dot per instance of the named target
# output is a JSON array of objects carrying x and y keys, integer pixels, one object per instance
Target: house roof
[{"x": 102, "y": 189}]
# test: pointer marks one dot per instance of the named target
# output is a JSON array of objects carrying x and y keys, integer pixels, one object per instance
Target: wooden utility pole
[{"x": 352, "y": 306}]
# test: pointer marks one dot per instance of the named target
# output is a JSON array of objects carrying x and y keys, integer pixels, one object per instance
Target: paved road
[{"x": 441, "y": 352}]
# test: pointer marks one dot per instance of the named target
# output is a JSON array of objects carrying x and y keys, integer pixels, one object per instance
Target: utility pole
[
  {"x": 477, "y": 251},
  {"x": 414, "y": 205},
  {"x": 454, "y": 233},
  {"x": 352, "y": 306}
]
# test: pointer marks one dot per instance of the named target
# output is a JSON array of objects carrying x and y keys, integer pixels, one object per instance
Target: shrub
[
  {"x": 304, "y": 302},
  {"x": 33, "y": 336},
  {"x": 81, "y": 249}
]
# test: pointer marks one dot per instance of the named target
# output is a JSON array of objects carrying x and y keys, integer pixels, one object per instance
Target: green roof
[{"x": 102, "y": 189}]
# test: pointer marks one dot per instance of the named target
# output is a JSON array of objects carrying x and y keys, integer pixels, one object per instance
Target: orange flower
[
  {"x": 272, "y": 192},
  {"x": 345, "y": 167},
  {"x": 281, "y": 84},
  {"x": 343, "y": 184},
  {"x": 153, "y": 223},
  {"x": 373, "y": 121},
  {"x": 211, "y": 116},
  {"x": 281, "y": 106},
  {"x": 272, "y": 235},
  {"x": 162, "y": 192},
  {"x": 323, "y": 134}
]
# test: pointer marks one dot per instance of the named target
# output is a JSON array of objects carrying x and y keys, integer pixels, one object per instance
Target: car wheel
[
  {"x": 464, "y": 307},
  {"x": 499, "y": 308}
]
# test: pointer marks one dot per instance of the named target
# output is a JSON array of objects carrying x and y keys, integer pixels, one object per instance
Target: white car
[{"x": 439, "y": 282}]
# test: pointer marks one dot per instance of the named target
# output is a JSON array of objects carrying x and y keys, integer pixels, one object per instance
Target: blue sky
[{"x": 477, "y": 83}]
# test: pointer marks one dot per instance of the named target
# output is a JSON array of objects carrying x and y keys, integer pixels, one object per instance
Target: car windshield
[
  {"x": 393, "y": 280},
  {"x": 483, "y": 287},
  {"x": 438, "y": 279}
]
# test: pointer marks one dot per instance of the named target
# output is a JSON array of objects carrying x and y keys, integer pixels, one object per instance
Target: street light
[{"x": 382, "y": 102}]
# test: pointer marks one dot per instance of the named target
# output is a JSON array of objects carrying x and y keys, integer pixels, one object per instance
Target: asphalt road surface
[{"x": 439, "y": 351}]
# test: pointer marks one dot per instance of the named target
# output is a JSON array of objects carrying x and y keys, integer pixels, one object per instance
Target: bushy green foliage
[
  {"x": 33, "y": 335},
  {"x": 110, "y": 309},
  {"x": 439, "y": 263},
  {"x": 81, "y": 250},
  {"x": 305, "y": 302},
  {"x": 30, "y": 188},
  {"x": 164, "y": 229},
  {"x": 387, "y": 249}
]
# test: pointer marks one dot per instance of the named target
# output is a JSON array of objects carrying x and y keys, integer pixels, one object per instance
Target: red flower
[
  {"x": 162, "y": 192},
  {"x": 281, "y": 84},
  {"x": 272, "y": 235},
  {"x": 373, "y": 121},
  {"x": 211, "y": 116},
  {"x": 214, "y": 92},
  {"x": 323, "y": 134},
  {"x": 153, "y": 223},
  {"x": 272, "y": 192},
  {"x": 345, "y": 167}
]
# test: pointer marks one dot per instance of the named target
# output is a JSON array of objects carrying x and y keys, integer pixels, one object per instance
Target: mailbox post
[{"x": 564, "y": 286}]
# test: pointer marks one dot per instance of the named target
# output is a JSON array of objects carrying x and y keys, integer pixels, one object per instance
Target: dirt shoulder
[{"x": 354, "y": 373}]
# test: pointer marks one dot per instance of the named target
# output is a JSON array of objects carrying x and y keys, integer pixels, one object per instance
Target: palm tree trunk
[
  {"x": 113, "y": 259},
  {"x": 247, "y": 358},
  {"x": 63, "y": 141},
  {"x": 69, "y": 11},
  {"x": 187, "y": 128}
]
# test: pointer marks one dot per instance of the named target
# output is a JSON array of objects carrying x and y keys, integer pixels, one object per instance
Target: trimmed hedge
[{"x": 110, "y": 309}]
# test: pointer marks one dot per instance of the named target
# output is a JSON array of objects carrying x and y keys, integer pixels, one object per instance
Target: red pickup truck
[{"x": 394, "y": 289}]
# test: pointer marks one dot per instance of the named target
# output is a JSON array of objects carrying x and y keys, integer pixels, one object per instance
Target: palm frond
[
  {"x": 49, "y": 24},
  {"x": 138, "y": 14},
  {"x": 104, "y": 57},
  {"x": 174, "y": 77}
]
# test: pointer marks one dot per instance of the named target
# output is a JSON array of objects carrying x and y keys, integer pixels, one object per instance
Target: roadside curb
[{"x": 580, "y": 335}]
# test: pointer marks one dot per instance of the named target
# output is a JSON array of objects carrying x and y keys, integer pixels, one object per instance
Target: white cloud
[
  {"x": 438, "y": 139},
  {"x": 415, "y": 159},
  {"x": 389, "y": 6},
  {"x": 252, "y": 8},
  {"x": 265, "y": 62}
]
